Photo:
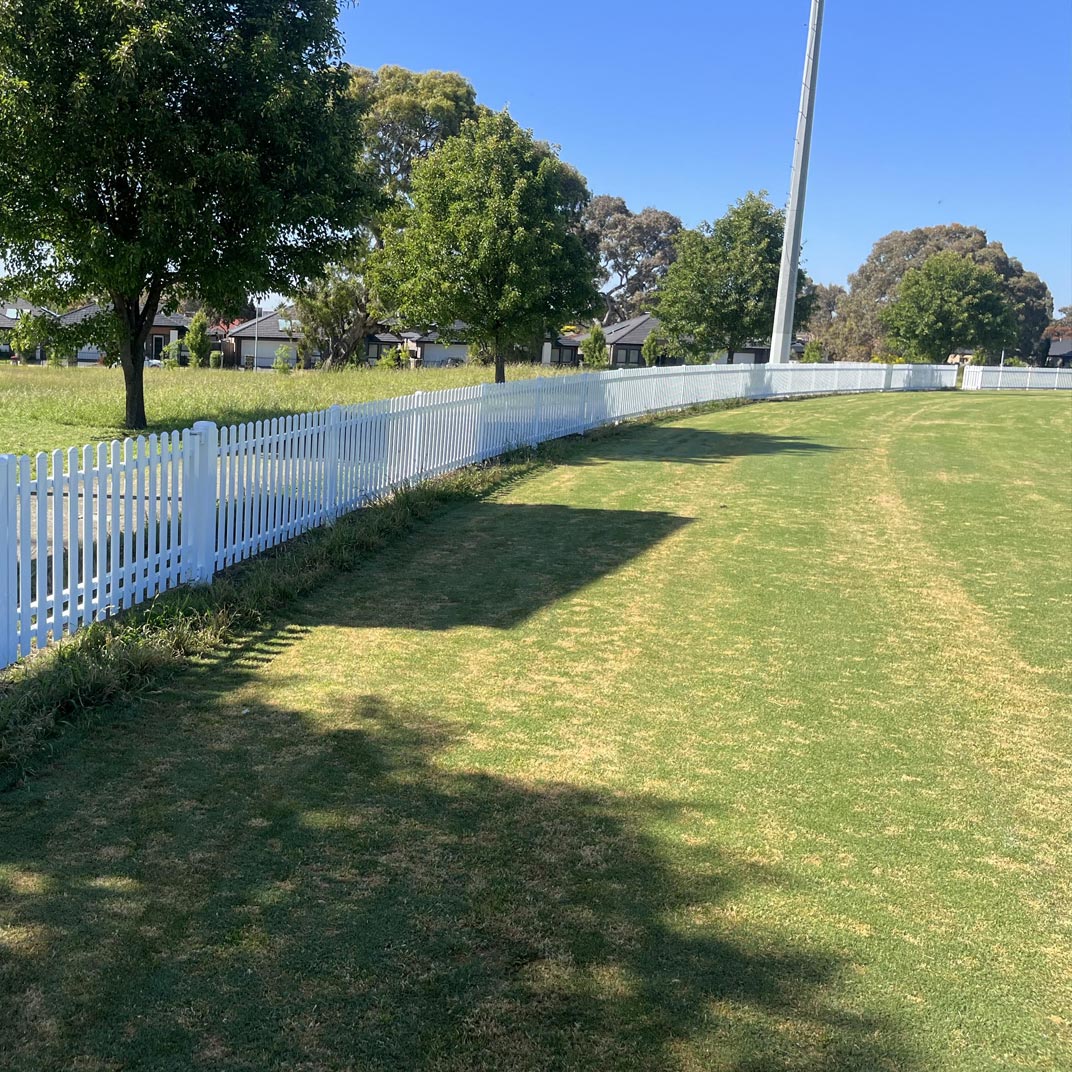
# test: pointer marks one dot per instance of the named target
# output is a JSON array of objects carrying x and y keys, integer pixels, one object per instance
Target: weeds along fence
[
  {"x": 90, "y": 532},
  {"x": 1013, "y": 378}
]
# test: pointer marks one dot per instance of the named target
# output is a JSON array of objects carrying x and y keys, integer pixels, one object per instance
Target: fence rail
[
  {"x": 1014, "y": 378},
  {"x": 97, "y": 530}
]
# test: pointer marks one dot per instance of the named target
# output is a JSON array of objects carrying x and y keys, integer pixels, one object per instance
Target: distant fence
[
  {"x": 90, "y": 532},
  {"x": 1014, "y": 378}
]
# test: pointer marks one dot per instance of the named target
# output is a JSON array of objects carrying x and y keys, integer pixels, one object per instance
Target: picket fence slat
[{"x": 108, "y": 527}]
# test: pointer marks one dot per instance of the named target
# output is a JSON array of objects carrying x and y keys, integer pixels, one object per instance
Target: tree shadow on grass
[
  {"x": 258, "y": 890},
  {"x": 687, "y": 445},
  {"x": 493, "y": 564}
]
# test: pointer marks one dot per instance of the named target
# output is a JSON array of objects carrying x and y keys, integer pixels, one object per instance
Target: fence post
[
  {"x": 200, "y": 463},
  {"x": 331, "y": 463},
  {"x": 9, "y": 647}
]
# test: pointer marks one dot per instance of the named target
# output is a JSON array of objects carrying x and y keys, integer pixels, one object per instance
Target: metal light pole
[{"x": 782, "y": 338}]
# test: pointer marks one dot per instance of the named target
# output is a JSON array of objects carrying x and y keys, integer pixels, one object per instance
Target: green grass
[
  {"x": 47, "y": 409},
  {"x": 739, "y": 742}
]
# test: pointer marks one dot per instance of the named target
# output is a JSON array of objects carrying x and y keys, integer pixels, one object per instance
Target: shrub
[
  {"x": 1015, "y": 362},
  {"x": 215, "y": 359},
  {"x": 813, "y": 353},
  {"x": 197, "y": 340},
  {"x": 652, "y": 349},
  {"x": 282, "y": 359},
  {"x": 170, "y": 355},
  {"x": 394, "y": 358},
  {"x": 594, "y": 348}
]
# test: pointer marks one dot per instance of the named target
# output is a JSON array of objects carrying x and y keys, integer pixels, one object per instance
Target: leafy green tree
[
  {"x": 947, "y": 303},
  {"x": 405, "y": 116},
  {"x": 594, "y": 348},
  {"x": 197, "y": 340},
  {"x": 490, "y": 240},
  {"x": 813, "y": 353},
  {"x": 720, "y": 291},
  {"x": 170, "y": 148},
  {"x": 634, "y": 251},
  {"x": 859, "y": 332}
]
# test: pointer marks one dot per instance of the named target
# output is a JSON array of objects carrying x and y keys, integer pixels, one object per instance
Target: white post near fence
[
  {"x": 200, "y": 461},
  {"x": 8, "y": 559}
]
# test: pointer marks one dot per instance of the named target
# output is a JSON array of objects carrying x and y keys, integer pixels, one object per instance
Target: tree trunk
[
  {"x": 134, "y": 381},
  {"x": 500, "y": 361},
  {"x": 132, "y": 357},
  {"x": 137, "y": 320}
]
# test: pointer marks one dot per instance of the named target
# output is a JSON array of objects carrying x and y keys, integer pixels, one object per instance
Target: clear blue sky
[{"x": 929, "y": 111}]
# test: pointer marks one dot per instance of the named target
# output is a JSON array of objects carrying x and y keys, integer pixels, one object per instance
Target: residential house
[
  {"x": 1060, "y": 355},
  {"x": 252, "y": 344},
  {"x": 167, "y": 328},
  {"x": 562, "y": 350},
  {"x": 625, "y": 342},
  {"x": 436, "y": 349}
]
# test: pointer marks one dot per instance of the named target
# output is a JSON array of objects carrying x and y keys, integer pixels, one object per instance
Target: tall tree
[
  {"x": 490, "y": 240},
  {"x": 408, "y": 114},
  {"x": 860, "y": 332},
  {"x": 822, "y": 324},
  {"x": 720, "y": 291},
  {"x": 634, "y": 250},
  {"x": 169, "y": 148},
  {"x": 947, "y": 303},
  {"x": 405, "y": 116},
  {"x": 1061, "y": 328}
]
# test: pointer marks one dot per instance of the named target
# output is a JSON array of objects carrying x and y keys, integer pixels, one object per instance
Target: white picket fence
[
  {"x": 1012, "y": 378},
  {"x": 93, "y": 531}
]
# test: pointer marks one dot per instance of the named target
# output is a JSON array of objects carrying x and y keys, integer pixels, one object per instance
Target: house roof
[
  {"x": 278, "y": 324},
  {"x": 90, "y": 309},
  {"x": 18, "y": 306},
  {"x": 1060, "y": 347},
  {"x": 630, "y": 332}
]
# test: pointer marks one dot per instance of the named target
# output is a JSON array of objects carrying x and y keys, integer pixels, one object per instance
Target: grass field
[
  {"x": 739, "y": 742},
  {"x": 47, "y": 409}
]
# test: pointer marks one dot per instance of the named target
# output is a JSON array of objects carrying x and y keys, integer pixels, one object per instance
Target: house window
[
  {"x": 373, "y": 351},
  {"x": 158, "y": 345}
]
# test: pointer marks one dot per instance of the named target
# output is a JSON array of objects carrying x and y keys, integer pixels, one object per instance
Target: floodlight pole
[{"x": 782, "y": 337}]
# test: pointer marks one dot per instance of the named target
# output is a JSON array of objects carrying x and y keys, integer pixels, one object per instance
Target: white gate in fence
[
  {"x": 1014, "y": 378},
  {"x": 91, "y": 532}
]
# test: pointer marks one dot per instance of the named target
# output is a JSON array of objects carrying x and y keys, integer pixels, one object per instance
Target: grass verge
[{"x": 124, "y": 656}]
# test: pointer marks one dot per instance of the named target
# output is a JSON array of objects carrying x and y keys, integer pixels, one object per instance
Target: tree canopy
[
  {"x": 720, "y": 290},
  {"x": 859, "y": 332},
  {"x": 172, "y": 149},
  {"x": 490, "y": 240},
  {"x": 634, "y": 251},
  {"x": 947, "y": 303},
  {"x": 406, "y": 115}
]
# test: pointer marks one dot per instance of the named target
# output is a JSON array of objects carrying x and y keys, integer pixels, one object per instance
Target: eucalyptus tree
[
  {"x": 169, "y": 149},
  {"x": 859, "y": 331},
  {"x": 634, "y": 251}
]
